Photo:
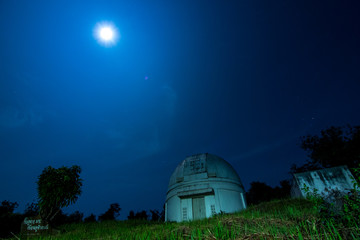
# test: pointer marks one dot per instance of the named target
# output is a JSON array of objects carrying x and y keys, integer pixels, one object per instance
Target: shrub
[{"x": 337, "y": 206}]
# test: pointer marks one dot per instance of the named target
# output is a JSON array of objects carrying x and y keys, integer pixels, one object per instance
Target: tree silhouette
[
  {"x": 58, "y": 188},
  {"x": 91, "y": 218},
  {"x": 333, "y": 147},
  {"x": 75, "y": 217},
  {"x": 131, "y": 215},
  {"x": 7, "y": 207},
  {"x": 142, "y": 215},
  {"x": 155, "y": 215},
  {"x": 31, "y": 210},
  {"x": 261, "y": 192},
  {"x": 9, "y": 221},
  {"x": 284, "y": 190},
  {"x": 111, "y": 213}
]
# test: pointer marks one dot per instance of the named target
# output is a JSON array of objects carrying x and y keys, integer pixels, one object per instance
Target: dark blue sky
[{"x": 239, "y": 79}]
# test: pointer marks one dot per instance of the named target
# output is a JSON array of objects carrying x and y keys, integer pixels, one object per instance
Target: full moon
[{"x": 106, "y": 34}]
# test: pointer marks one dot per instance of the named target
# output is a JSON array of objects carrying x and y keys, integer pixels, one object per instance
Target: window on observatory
[
  {"x": 213, "y": 212},
  {"x": 184, "y": 214}
]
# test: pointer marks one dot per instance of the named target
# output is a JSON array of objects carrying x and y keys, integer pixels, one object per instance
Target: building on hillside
[
  {"x": 203, "y": 185},
  {"x": 324, "y": 180}
]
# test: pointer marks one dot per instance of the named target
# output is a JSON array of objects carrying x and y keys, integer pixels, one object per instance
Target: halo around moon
[{"x": 106, "y": 34}]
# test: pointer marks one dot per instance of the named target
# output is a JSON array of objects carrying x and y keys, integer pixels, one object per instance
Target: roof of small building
[
  {"x": 198, "y": 164},
  {"x": 324, "y": 171},
  {"x": 327, "y": 182}
]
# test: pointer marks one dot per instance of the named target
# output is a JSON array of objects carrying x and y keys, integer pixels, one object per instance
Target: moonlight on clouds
[{"x": 106, "y": 34}]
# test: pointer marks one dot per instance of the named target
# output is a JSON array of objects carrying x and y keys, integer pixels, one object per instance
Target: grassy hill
[{"x": 281, "y": 219}]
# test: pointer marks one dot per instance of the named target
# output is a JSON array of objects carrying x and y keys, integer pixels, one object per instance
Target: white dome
[
  {"x": 203, "y": 185},
  {"x": 214, "y": 166}
]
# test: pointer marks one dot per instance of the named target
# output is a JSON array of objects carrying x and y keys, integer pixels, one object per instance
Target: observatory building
[{"x": 203, "y": 185}]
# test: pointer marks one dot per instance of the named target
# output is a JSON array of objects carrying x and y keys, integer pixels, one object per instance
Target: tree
[
  {"x": 284, "y": 190},
  {"x": 75, "y": 217},
  {"x": 111, "y": 213},
  {"x": 333, "y": 147},
  {"x": 7, "y": 207},
  {"x": 9, "y": 221},
  {"x": 259, "y": 192},
  {"x": 58, "y": 188},
  {"x": 162, "y": 214},
  {"x": 142, "y": 215},
  {"x": 131, "y": 215},
  {"x": 60, "y": 218},
  {"x": 31, "y": 210},
  {"x": 155, "y": 215},
  {"x": 91, "y": 218}
]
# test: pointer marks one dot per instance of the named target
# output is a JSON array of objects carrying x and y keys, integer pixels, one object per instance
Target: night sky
[{"x": 240, "y": 79}]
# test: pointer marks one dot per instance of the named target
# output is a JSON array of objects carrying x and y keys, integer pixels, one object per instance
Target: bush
[
  {"x": 337, "y": 206},
  {"x": 111, "y": 213},
  {"x": 9, "y": 221},
  {"x": 352, "y": 200},
  {"x": 91, "y": 218}
]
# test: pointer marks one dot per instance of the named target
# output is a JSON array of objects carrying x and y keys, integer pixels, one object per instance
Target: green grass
[{"x": 280, "y": 219}]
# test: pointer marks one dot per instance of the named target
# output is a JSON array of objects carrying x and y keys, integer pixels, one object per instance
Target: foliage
[
  {"x": 313, "y": 196},
  {"x": 58, "y": 188},
  {"x": 155, "y": 215},
  {"x": 7, "y": 207},
  {"x": 328, "y": 207},
  {"x": 75, "y": 217},
  {"x": 131, "y": 215},
  {"x": 31, "y": 210},
  {"x": 60, "y": 218},
  {"x": 9, "y": 221},
  {"x": 335, "y": 146},
  {"x": 142, "y": 215},
  {"x": 89, "y": 219},
  {"x": 352, "y": 200},
  {"x": 63, "y": 218},
  {"x": 112, "y": 213},
  {"x": 261, "y": 192},
  {"x": 337, "y": 206}
]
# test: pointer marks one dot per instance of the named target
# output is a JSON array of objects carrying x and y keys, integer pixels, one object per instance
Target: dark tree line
[
  {"x": 154, "y": 215},
  {"x": 334, "y": 146},
  {"x": 111, "y": 214},
  {"x": 261, "y": 192}
]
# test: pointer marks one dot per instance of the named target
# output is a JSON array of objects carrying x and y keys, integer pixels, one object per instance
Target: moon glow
[{"x": 106, "y": 34}]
